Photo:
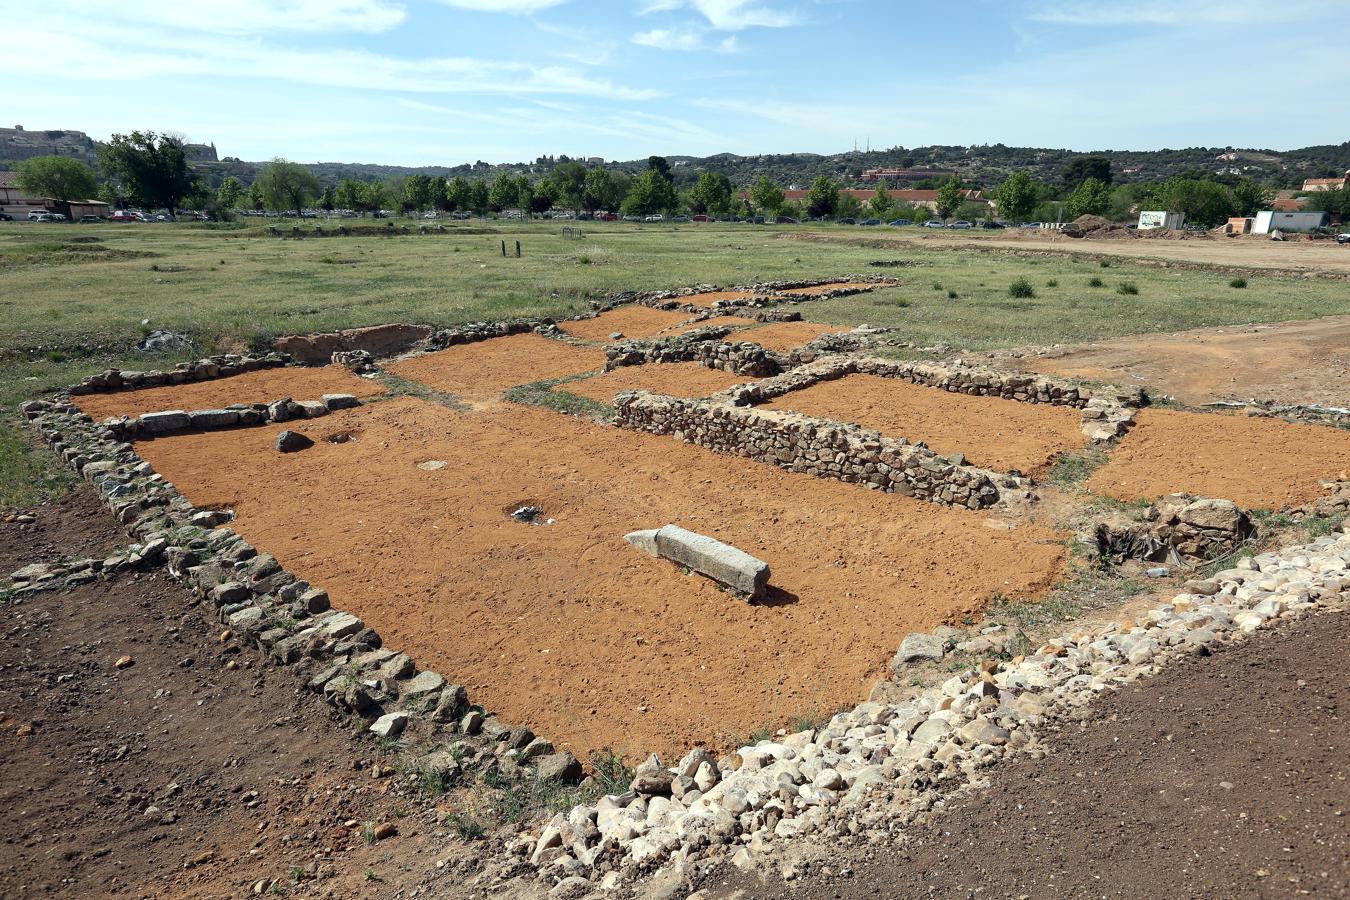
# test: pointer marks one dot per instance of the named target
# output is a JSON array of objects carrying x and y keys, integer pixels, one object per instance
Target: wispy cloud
[
  {"x": 1184, "y": 12},
  {"x": 247, "y": 16},
  {"x": 671, "y": 38},
  {"x": 512, "y": 7},
  {"x": 729, "y": 15}
]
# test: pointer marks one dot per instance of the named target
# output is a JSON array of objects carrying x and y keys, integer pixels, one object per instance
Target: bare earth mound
[
  {"x": 1255, "y": 462},
  {"x": 564, "y": 626},
  {"x": 785, "y": 336},
  {"x": 633, "y": 321},
  {"x": 479, "y": 372},
  {"x": 994, "y": 433},
  {"x": 688, "y": 379},
  {"x": 262, "y": 386},
  {"x": 1225, "y": 777},
  {"x": 1290, "y": 362}
]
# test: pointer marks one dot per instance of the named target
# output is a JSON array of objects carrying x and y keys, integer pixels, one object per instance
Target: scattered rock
[{"x": 292, "y": 441}]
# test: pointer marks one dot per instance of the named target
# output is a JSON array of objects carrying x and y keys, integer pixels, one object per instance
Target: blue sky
[{"x": 419, "y": 82}]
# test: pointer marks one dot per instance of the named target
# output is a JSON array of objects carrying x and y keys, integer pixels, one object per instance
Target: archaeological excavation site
[{"x": 726, "y": 578}]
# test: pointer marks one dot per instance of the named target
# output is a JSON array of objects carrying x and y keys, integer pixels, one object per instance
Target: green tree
[
  {"x": 949, "y": 196},
  {"x": 881, "y": 202},
  {"x": 440, "y": 193},
  {"x": 1017, "y": 197},
  {"x": 822, "y": 198},
  {"x": 566, "y": 185},
  {"x": 287, "y": 186},
  {"x": 1332, "y": 203},
  {"x": 503, "y": 192},
  {"x": 1092, "y": 197},
  {"x": 659, "y": 165},
  {"x": 1249, "y": 198},
  {"x": 848, "y": 206},
  {"x": 712, "y": 194},
  {"x": 1206, "y": 203},
  {"x": 603, "y": 190},
  {"x": 417, "y": 193},
  {"x": 767, "y": 196},
  {"x": 328, "y": 199},
  {"x": 255, "y": 196},
  {"x": 650, "y": 193},
  {"x": 457, "y": 194},
  {"x": 478, "y": 197},
  {"x": 1081, "y": 168},
  {"x": 350, "y": 194},
  {"x": 150, "y": 169},
  {"x": 58, "y": 177},
  {"x": 230, "y": 193},
  {"x": 525, "y": 196},
  {"x": 375, "y": 196}
]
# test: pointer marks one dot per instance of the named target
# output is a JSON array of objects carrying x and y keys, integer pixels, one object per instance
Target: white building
[
  {"x": 1269, "y": 220},
  {"x": 1161, "y": 219}
]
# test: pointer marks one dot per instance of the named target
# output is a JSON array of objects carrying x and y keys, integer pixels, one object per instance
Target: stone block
[
  {"x": 163, "y": 422},
  {"x": 340, "y": 401},
  {"x": 721, "y": 562},
  {"x": 214, "y": 418}
]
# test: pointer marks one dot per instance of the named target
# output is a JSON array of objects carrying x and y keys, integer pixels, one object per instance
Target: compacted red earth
[
  {"x": 687, "y": 379},
  {"x": 262, "y": 386},
  {"x": 992, "y": 432},
  {"x": 633, "y": 321},
  {"x": 566, "y": 627},
  {"x": 785, "y": 336},
  {"x": 1257, "y": 463},
  {"x": 480, "y": 372}
]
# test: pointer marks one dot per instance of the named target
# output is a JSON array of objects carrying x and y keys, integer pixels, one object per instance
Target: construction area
[{"x": 460, "y": 543}]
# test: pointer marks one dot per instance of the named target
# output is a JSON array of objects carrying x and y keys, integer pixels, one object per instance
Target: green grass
[
  {"x": 29, "y": 472},
  {"x": 547, "y": 394}
]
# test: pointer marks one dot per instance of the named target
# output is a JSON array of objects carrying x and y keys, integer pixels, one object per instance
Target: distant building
[
  {"x": 1315, "y": 185},
  {"x": 1161, "y": 219},
  {"x": 1289, "y": 204},
  {"x": 595, "y": 160},
  {"x": 905, "y": 174},
  {"x": 200, "y": 153},
  {"x": 1271, "y": 220},
  {"x": 19, "y": 204}
]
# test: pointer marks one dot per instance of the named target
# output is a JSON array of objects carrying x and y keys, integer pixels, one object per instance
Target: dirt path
[
  {"x": 1287, "y": 362},
  {"x": 1226, "y": 777},
  {"x": 194, "y": 771}
]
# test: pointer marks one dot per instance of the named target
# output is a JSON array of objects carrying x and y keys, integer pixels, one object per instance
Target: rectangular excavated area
[
  {"x": 479, "y": 372},
  {"x": 687, "y": 379},
  {"x": 564, "y": 626},
  {"x": 634, "y": 321},
  {"x": 992, "y": 432}
]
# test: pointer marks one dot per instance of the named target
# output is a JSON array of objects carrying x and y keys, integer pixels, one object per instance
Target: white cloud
[
  {"x": 656, "y": 6},
  {"x": 512, "y": 7},
  {"x": 671, "y": 38},
  {"x": 1183, "y": 12},
  {"x": 728, "y": 15},
  {"x": 728, "y": 45}
]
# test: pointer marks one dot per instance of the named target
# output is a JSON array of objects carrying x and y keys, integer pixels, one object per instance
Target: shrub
[
  {"x": 1052, "y": 283},
  {"x": 1105, "y": 263},
  {"x": 1021, "y": 288},
  {"x": 937, "y": 285},
  {"x": 1238, "y": 282},
  {"x": 1127, "y": 287},
  {"x": 952, "y": 295},
  {"x": 583, "y": 260},
  {"x": 1096, "y": 282}
]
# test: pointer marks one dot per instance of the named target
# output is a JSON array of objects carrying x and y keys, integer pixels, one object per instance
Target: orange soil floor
[
  {"x": 567, "y": 628},
  {"x": 262, "y": 386},
  {"x": 479, "y": 372},
  {"x": 993, "y": 433},
  {"x": 705, "y": 300},
  {"x": 686, "y": 326},
  {"x": 686, "y": 379},
  {"x": 1257, "y": 463},
  {"x": 785, "y": 336},
  {"x": 633, "y": 321},
  {"x": 833, "y": 286}
]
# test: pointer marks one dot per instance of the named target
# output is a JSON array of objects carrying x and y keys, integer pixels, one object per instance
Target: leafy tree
[
  {"x": 712, "y": 194},
  {"x": 375, "y": 196},
  {"x": 1081, "y": 168},
  {"x": 659, "y": 165},
  {"x": 328, "y": 199},
  {"x": 457, "y": 194},
  {"x": 350, "y": 194},
  {"x": 417, "y": 193},
  {"x": 255, "y": 196},
  {"x": 911, "y": 212},
  {"x": 1249, "y": 197},
  {"x": 1092, "y": 197},
  {"x": 57, "y": 177},
  {"x": 949, "y": 196},
  {"x": 1017, "y": 197},
  {"x": 230, "y": 193},
  {"x": 440, "y": 193},
  {"x": 287, "y": 186},
  {"x": 1332, "y": 203},
  {"x": 822, "y": 198},
  {"x": 848, "y": 206},
  {"x": 151, "y": 169},
  {"x": 1204, "y": 202},
  {"x": 566, "y": 185},
  {"x": 766, "y": 195},
  {"x": 478, "y": 197},
  {"x": 650, "y": 193},
  {"x": 525, "y": 196},
  {"x": 881, "y": 202},
  {"x": 503, "y": 193},
  {"x": 601, "y": 191}
]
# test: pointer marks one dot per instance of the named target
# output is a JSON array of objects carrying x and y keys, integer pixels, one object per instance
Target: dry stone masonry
[
  {"x": 202, "y": 370},
  {"x": 239, "y": 415},
  {"x": 1180, "y": 528}
]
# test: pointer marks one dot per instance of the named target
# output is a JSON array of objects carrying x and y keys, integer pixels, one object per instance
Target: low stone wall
[
  {"x": 240, "y": 415},
  {"x": 379, "y": 340},
  {"x": 222, "y": 366},
  {"x": 703, "y": 345},
  {"x": 1105, "y": 415},
  {"x": 473, "y": 332},
  {"x": 815, "y": 447},
  {"x": 291, "y": 622},
  {"x": 764, "y": 293},
  {"x": 1180, "y": 528}
]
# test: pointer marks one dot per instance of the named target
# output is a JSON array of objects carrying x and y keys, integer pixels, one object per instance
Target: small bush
[
  {"x": 1104, "y": 263},
  {"x": 902, "y": 302},
  {"x": 937, "y": 285},
  {"x": 1096, "y": 282},
  {"x": 466, "y": 826},
  {"x": 952, "y": 295},
  {"x": 1238, "y": 282},
  {"x": 154, "y": 267},
  {"x": 583, "y": 260},
  {"x": 1127, "y": 287},
  {"x": 1052, "y": 283},
  {"x": 1021, "y": 288}
]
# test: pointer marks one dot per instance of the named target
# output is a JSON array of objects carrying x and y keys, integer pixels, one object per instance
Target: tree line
[{"x": 152, "y": 170}]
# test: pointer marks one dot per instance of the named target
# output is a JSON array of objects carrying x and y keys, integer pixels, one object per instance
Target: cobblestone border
[{"x": 222, "y": 366}]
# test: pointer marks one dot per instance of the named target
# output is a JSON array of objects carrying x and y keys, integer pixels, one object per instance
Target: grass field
[{"x": 76, "y": 299}]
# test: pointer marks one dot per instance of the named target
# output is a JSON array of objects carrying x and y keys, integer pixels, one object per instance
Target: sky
[{"x": 443, "y": 82}]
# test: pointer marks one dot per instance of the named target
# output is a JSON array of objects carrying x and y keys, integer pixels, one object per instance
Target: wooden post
[
  {"x": 517, "y": 249},
  {"x": 503, "y": 249}
]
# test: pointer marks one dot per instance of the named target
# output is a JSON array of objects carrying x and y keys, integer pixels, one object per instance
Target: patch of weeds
[
  {"x": 1128, "y": 288},
  {"x": 1052, "y": 283},
  {"x": 1104, "y": 263},
  {"x": 1238, "y": 282},
  {"x": 56, "y": 356},
  {"x": 1075, "y": 468},
  {"x": 810, "y": 718},
  {"x": 583, "y": 260},
  {"x": 467, "y": 826},
  {"x": 611, "y": 772},
  {"x": 517, "y": 798},
  {"x": 1021, "y": 288},
  {"x": 545, "y": 394},
  {"x": 1135, "y": 508},
  {"x": 370, "y": 875},
  {"x": 937, "y": 285},
  {"x": 368, "y": 833},
  {"x": 952, "y": 295},
  {"x": 1317, "y": 528},
  {"x": 29, "y": 473},
  {"x": 1094, "y": 281},
  {"x": 154, "y": 267},
  {"x": 328, "y": 260}
]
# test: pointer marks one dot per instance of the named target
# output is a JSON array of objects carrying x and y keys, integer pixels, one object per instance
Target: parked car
[
  {"x": 990, "y": 223},
  {"x": 962, "y": 223},
  {"x": 431, "y": 215},
  {"x": 6, "y": 217},
  {"x": 90, "y": 219},
  {"x": 786, "y": 220},
  {"x": 900, "y": 223},
  {"x": 1343, "y": 238},
  {"x": 607, "y": 217},
  {"x": 166, "y": 217},
  {"x": 934, "y": 223},
  {"x": 700, "y": 218},
  {"x": 41, "y": 215},
  {"x": 657, "y": 217},
  {"x": 870, "y": 222},
  {"x": 847, "y": 221}
]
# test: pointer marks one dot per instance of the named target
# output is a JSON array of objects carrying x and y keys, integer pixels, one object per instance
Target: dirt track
[
  {"x": 1288, "y": 362},
  {"x": 994, "y": 433},
  {"x": 1226, "y": 777},
  {"x": 566, "y": 627}
]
